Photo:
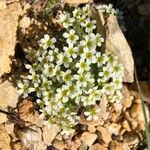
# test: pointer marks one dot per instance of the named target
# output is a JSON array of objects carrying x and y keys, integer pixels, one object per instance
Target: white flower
[
  {"x": 83, "y": 66},
  {"x": 95, "y": 94},
  {"x": 112, "y": 60},
  {"x": 43, "y": 60},
  {"x": 101, "y": 8},
  {"x": 27, "y": 66},
  {"x": 48, "y": 69},
  {"x": 86, "y": 10},
  {"x": 23, "y": 88},
  {"x": 92, "y": 114},
  {"x": 108, "y": 89},
  {"x": 66, "y": 76},
  {"x": 34, "y": 77},
  {"x": 71, "y": 50},
  {"x": 89, "y": 56},
  {"x": 71, "y": 36},
  {"x": 62, "y": 94},
  {"x": 76, "y": 13},
  {"x": 98, "y": 38},
  {"x": 40, "y": 102},
  {"x": 47, "y": 42},
  {"x": 89, "y": 25},
  {"x": 88, "y": 42},
  {"x": 101, "y": 59},
  {"x": 64, "y": 59},
  {"x": 78, "y": 98},
  {"x": 52, "y": 55},
  {"x": 67, "y": 131},
  {"x": 81, "y": 21},
  {"x": 117, "y": 82},
  {"x": 36, "y": 89},
  {"x": 65, "y": 19},
  {"x": 117, "y": 69},
  {"x": 48, "y": 95},
  {"x": 57, "y": 72},
  {"x": 110, "y": 9},
  {"x": 72, "y": 90},
  {"x": 46, "y": 83},
  {"x": 82, "y": 79},
  {"x": 101, "y": 82},
  {"x": 85, "y": 100},
  {"x": 106, "y": 73},
  {"x": 115, "y": 98}
]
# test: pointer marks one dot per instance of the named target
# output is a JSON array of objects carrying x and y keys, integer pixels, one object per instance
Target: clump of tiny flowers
[
  {"x": 103, "y": 8},
  {"x": 74, "y": 76}
]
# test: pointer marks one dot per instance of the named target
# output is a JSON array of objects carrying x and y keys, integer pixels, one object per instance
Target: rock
[
  {"x": 74, "y": 2},
  {"x": 31, "y": 138},
  {"x": 104, "y": 134},
  {"x": 83, "y": 146},
  {"x": 97, "y": 147},
  {"x": 131, "y": 138},
  {"x": 8, "y": 22},
  {"x": 71, "y": 145},
  {"x": 114, "y": 128},
  {"x": 144, "y": 9},
  {"x": 137, "y": 113},
  {"x": 91, "y": 128},
  {"x": 59, "y": 137},
  {"x": 49, "y": 134},
  {"x": 116, "y": 43},
  {"x": 127, "y": 99},
  {"x": 126, "y": 125},
  {"x": 27, "y": 113},
  {"x": 88, "y": 138},
  {"x": 18, "y": 146},
  {"x": 24, "y": 24},
  {"x": 114, "y": 145},
  {"x": 3, "y": 118},
  {"x": 9, "y": 127},
  {"x": 8, "y": 95},
  {"x": 78, "y": 141},
  {"x": 59, "y": 145},
  {"x": 3, "y": 5},
  {"x": 4, "y": 139}
]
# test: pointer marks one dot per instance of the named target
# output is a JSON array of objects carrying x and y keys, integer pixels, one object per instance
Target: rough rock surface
[
  {"x": 3, "y": 118},
  {"x": 28, "y": 113},
  {"x": 4, "y": 139},
  {"x": 77, "y": 1},
  {"x": 8, "y": 27},
  {"x": 97, "y": 147},
  {"x": 116, "y": 42},
  {"x": 88, "y": 138},
  {"x": 3, "y": 4},
  {"x": 104, "y": 134},
  {"x": 49, "y": 134},
  {"x": 8, "y": 95},
  {"x": 31, "y": 138}
]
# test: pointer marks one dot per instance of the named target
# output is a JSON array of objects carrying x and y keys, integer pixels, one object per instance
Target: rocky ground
[{"x": 120, "y": 126}]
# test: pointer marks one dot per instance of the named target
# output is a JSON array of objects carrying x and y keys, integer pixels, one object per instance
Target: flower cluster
[
  {"x": 102, "y": 8},
  {"x": 75, "y": 75}
]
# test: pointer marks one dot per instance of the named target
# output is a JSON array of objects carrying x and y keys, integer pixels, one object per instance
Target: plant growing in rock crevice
[{"x": 74, "y": 75}]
